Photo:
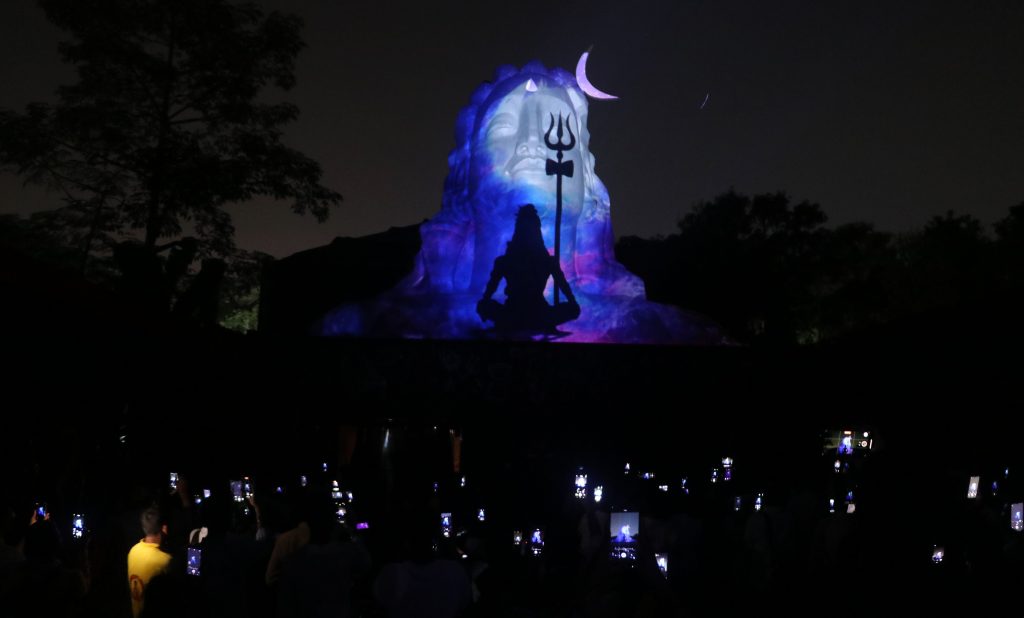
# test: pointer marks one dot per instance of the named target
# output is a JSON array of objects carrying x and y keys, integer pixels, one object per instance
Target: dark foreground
[{"x": 96, "y": 419}]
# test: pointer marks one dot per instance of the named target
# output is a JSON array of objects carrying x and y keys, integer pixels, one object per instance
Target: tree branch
[{"x": 203, "y": 118}]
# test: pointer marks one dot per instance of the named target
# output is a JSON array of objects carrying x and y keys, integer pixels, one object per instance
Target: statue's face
[{"x": 509, "y": 149}]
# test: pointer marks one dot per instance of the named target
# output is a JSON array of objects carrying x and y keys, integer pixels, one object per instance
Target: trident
[{"x": 558, "y": 169}]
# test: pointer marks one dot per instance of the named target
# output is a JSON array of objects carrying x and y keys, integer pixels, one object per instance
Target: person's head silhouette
[{"x": 527, "y": 239}]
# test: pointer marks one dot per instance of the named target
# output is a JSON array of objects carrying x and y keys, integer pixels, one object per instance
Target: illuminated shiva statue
[
  {"x": 507, "y": 156},
  {"x": 500, "y": 165}
]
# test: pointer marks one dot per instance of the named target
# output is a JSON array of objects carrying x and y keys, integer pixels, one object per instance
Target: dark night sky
[{"x": 888, "y": 112}]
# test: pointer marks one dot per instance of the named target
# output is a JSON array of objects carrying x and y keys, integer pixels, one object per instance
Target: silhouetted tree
[
  {"x": 166, "y": 123},
  {"x": 860, "y": 272},
  {"x": 947, "y": 263},
  {"x": 240, "y": 297},
  {"x": 1010, "y": 248},
  {"x": 751, "y": 263},
  {"x": 771, "y": 272}
]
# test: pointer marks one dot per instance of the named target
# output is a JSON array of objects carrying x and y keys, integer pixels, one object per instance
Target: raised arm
[{"x": 496, "y": 274}]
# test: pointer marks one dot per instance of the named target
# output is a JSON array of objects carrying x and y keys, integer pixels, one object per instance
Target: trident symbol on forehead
[
  {"x": 558, "y": 145},
  {"x": 559, "y": 169}
]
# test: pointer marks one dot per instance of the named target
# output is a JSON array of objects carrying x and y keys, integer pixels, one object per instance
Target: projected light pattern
[{"x": 498, "y": 165}]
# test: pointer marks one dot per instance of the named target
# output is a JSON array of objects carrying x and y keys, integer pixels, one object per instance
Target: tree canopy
[
  {"x": 770, "y": 271},
  {"x": 168, "y": 122}
]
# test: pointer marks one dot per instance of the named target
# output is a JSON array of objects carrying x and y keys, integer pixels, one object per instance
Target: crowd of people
[{"x": 601, "y": 538}]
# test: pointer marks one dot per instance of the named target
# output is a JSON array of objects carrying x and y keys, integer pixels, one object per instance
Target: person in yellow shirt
[{"x": 146, "y": 560}]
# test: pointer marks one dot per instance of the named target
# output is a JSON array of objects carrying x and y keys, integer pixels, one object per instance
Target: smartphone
[
  {"x": 303, "y": 480},
  {"x": 362, "y": 526},
  {"x": 1017, "y": 516},
  {"x": 581, "y": 486},
  {"x": 662, "y": 562},
  {"x": 247, "y": 487},
  {"x": 624, "y": 529},
  {"x": 236, "y": 491},
  {"x": 446, "y": 525},
  {"x": 598, "y": 493},
  {"x": 41, "y": 510},
  {"x": 195, "y": 561},
  {"x": 737, "y": 503},
  {"x": 758, "y": 502},
  {"x": 481, "y": 515},
  {"x": 341, "y": 512},
  {"x": 972, "y": 487},
  {"x": 206, "y": 494},
  {"x": 335, "y": 491},
  {"x": 938, "y": 553},
  {"x": 174, "y": 481},
  {"x": 517, "y": 537},
  {"x": 77, "y": 526},
  {"x": 537, "y": 542}
]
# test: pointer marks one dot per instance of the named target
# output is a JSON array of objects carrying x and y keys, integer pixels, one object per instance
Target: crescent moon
[{"x": 585, "y": 85}]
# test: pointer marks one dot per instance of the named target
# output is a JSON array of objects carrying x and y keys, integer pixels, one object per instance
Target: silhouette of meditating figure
[{"x": 526, "y": 267}]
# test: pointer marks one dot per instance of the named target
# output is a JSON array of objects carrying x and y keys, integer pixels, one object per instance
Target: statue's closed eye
[{"x": 502, "y": 125}]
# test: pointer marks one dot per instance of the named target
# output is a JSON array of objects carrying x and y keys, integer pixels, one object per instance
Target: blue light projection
[{"x": 498, "y": 165}]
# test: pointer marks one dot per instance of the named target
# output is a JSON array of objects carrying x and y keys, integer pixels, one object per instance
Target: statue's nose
[
  {"x": 530, "y": 147},
  {"x": 529, "y": 139}
]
